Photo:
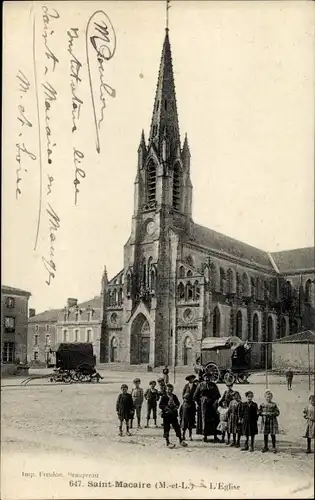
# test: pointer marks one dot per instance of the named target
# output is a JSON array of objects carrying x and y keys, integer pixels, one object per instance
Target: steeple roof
[{"x": 164, "y": 122}]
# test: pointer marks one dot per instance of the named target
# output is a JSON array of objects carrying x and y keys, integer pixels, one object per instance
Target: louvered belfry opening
[
  {"x": 151, "y": 182},
  {"x": 176, "y": 188}
]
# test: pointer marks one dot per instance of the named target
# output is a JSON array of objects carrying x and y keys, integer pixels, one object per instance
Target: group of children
[{"x": 237, "y": 418}]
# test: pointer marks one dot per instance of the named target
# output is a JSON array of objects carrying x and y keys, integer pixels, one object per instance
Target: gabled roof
[
  {"x": 10, "y": 289},
  {"x": 46, "y": 316},
  {"x": 299, "y": 338},
  {"x": 95, "y": 303},
  {"x": 299, "y": 259},
  {"x": 213, "y": 240}
]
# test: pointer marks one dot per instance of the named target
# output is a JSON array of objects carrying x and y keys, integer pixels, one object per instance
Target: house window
[
  {"x": 65, "y": 335},
  {"x": 77, "y": 315},
  {"x": 36, "y": 328},
  {"x": 8, "y": 352},
  {"x": 88, "y": 335},
  {"x": 35, "y": 355},
  {"x": 47, "y": 340},
  {"x": 9, "y": 324},
  {"x": 36, "y": 339},
  {"x": 47, "y": 328},
  {"x": 76, "y": 335},
  {"x": 10, "y": 302}
]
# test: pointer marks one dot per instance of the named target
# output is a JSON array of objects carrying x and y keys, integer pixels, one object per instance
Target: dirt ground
[{"x": 61, "y": 441}]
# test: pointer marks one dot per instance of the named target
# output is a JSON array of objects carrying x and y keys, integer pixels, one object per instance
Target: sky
[{"x": 244, "y": 76}]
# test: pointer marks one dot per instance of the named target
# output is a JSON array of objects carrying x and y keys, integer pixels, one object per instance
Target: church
[{"x": 182, "y": 282}]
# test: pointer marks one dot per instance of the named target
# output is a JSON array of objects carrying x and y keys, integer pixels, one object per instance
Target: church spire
[{"x": 165, "y": 119}]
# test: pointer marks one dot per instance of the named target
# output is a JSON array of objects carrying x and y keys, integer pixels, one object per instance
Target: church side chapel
[{"x": 182, "y": 282}]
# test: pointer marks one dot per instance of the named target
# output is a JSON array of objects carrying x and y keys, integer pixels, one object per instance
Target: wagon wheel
[
  {"x": 213, "y": 370},
  {"x": 242, "y": 378},
  {"x": 66, "y": 377},
  {"x": 229, "y": 377}
]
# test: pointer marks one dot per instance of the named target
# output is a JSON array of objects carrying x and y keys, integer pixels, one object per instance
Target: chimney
[
  {"x": 31, "y": 313},
  {"x": 72, "y": 302}
]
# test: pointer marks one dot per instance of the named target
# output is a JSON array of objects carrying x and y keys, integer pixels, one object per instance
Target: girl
[
  {"x": 234, "y": 425},
  {"x": 223, "y": 424},
  {"x": 249, "y": 417},
  {"x": 269, "y": 412},
  {"x": 309, "y": 415}
]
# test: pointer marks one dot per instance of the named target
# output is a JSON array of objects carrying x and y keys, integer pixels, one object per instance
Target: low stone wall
[{"x": 293, "y": 355}]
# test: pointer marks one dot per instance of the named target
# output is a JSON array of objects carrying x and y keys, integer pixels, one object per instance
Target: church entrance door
[{"x": 140, "y": 341}]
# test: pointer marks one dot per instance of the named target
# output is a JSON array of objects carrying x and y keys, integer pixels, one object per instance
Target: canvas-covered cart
[
  {"x": 225, "y": 358},
  {"x": 75, "y": 362}
]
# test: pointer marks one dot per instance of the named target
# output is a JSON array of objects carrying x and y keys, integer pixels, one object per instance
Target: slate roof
[
  {"x": 11, "y": 289},
  {"x": 299, "y": 259},
  {"x": 220, "y": 242},
  {"x": 46, "y": 316},
  {"x": 95, "y": 303},
  {"x": 299, "y": 338}
]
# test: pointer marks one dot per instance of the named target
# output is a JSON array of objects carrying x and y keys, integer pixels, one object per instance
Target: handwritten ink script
[
  {"x": 43, "y": 94},
  {"x": 24, "y": 121},
  {"x": 100, "y": 43}
]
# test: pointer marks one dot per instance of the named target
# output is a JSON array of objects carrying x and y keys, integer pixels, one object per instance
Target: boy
[
  {"x": 289, "y": 377},
  {"x": 169, "y": 405},
  {"x": 124, "y": 409},
  {"x": 248, "y": 414},
  {"x": 152, "y": 396},
  {"x": 137, "y": 398}
]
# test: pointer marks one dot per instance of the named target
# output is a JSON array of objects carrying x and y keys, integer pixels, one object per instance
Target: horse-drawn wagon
[{"x": 226, "y": 357}]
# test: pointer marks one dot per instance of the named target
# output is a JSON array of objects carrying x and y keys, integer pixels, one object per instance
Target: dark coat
[
  {"x": 206, "y": 396},
  {"x": 169, "y": 405},
  {"x": 152, "y": 397},
  {"x": 124, "y": 406},
  {"x": 248, "y": 413}
]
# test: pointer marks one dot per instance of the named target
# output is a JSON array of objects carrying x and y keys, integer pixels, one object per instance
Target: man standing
[
  {"x": 206, "y": 396},
  {"x": 289, "y": 377}
]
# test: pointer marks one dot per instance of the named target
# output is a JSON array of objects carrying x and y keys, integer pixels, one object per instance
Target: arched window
[
  {"x": 151, "y": 182},
  {"x": 259, "y": 289},
  {"x": 153, "y": 279},
  {"x": 128, "y": 283},
  {"x": 190, "y": 261},
  {"x": 293, "y": 326},
  {"x": 189, "y": 291},
  {"x": 189, "y": 274},
  {"x": 246, "y": 285},
  {"x": 176, "y": 187},
  {"x": 181, "y": 272},
  {"x": 239, "y": 285},
  {"x": 216, "y": 322},
  {"x": 283, "y": 328},
  {"x": 149, "y": 272},
  {"x": 197, "y": 291},
  {"x": 239, "y": 324},
  {"x": 181, "y": 291},
  {"x": 255, "y": 328},
  {"x": 230, "y": 281},
  {"x": 113, "y": 350},
  {"x": 114, "y": 297},
  {"x": 308, "y": 291},
  {"x": 120, "y": 296},
  {"x": 187, "y": 354},
  {"x": 222, "y": 280},
  {"x": 266, "y": 290},
  {"x": 144, "y": 272},
  {"x": 214, "y": 276},
  {"x": 109, "y": 298},
  {"x": 253, "y": 288}
]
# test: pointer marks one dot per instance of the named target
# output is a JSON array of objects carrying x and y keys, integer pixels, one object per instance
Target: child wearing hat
[
  {"x": 124, "y": 409},
  {"x": 152, "y": 397},
  {"x": 169, "y": 405},
  {"x": 309, "y": 415},
  {"x": 269, "y": 412},
  {"x": 137, "y": 397},
  {"x": 248, "y": 417}
]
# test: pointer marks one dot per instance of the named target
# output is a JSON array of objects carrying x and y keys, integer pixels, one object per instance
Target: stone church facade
[{"x": 182, "y": 282}]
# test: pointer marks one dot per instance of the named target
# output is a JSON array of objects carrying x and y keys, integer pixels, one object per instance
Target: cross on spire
[{"x": 168, "y": 6}]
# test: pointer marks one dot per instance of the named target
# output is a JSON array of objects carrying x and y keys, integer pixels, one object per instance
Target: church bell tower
[{"x": 162, "y": 204}]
